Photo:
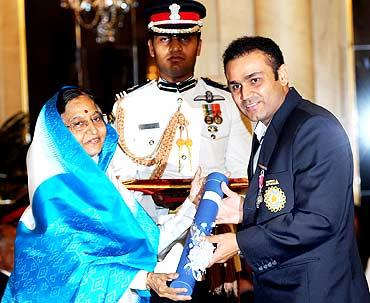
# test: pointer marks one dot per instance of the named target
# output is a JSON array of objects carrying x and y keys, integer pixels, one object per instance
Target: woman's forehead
[{"x": 82, "y": 105}]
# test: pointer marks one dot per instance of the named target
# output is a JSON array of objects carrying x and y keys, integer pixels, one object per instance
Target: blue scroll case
[{"x": 192, "y": 264}]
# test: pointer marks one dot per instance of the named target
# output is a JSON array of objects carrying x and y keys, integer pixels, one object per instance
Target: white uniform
[{"x": 222, "y": 147}]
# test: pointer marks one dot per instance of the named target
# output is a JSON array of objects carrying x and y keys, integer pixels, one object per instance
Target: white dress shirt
[{"x": 260, "y": 131}]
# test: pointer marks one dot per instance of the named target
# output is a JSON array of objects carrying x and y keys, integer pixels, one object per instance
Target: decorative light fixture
[{"x": 106, "y": 16}]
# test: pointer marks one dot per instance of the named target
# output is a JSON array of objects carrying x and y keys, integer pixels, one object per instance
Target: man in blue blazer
[{"x": 297, "y": 219}]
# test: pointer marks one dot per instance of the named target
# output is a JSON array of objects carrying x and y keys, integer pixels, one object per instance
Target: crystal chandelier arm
[{"x": 104, "y": 15}]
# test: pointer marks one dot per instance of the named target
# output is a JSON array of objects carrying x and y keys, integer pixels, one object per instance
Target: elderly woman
[{"x": 84, "y": 238}]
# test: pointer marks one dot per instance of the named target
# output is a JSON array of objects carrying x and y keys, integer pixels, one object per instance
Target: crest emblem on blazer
[{"x": 275, "y": 199}]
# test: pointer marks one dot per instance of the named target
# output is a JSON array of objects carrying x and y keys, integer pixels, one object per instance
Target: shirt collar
[
  {"x": 260, "y": 130},
  {"x": 178, "y": 86}
]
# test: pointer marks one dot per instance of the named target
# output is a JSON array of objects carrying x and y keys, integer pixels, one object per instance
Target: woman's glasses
[{"x": 81, "y": 125}]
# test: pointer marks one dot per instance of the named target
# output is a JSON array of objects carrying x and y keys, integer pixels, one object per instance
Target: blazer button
[
  {"x": 260, "y": 268},
  {"x": 274, "y": 262},
  {"x": 269, "y": 264},
  {"x": 265, "y": 266}
]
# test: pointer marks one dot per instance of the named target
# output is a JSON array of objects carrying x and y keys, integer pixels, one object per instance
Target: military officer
[{"x": 171, "y": 126}]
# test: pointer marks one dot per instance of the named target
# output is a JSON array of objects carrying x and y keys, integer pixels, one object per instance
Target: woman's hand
[
  {"x": 197, "y": 187},
  {"x": 158, "y": 283},
  {"x": 231, "y": 208}
]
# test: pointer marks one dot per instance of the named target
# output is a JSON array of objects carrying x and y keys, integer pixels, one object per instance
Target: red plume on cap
[{"x": 175, "y": 16}]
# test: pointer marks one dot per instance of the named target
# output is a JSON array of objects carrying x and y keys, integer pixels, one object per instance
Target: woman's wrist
[{"x": 191, "y": 198}]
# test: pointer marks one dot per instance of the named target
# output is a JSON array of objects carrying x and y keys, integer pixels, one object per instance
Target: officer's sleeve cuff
[{"x": 139, "y": 282}]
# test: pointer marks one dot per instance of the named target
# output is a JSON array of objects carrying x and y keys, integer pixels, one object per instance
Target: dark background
[
  {"x": 51, "y": 55},
  {"x": 361, "y": 24}
]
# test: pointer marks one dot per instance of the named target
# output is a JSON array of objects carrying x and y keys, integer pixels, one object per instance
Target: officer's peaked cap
[{"x": 175, "y": 16}]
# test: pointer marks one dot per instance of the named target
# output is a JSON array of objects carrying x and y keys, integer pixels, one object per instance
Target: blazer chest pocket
[{"x": 278, "y": 196}]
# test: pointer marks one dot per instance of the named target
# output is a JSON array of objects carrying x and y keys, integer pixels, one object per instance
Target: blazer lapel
[
  {"x": 249, "y": 207},
  {"x": 268, "y": 146},
  {"x": 276, "y": 126},
  {"x": 255, "y": 145}
]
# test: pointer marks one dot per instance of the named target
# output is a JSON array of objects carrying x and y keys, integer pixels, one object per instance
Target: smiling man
[{"x": 297, "y": 219}]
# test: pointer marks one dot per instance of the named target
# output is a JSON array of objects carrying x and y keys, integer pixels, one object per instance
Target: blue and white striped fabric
[{"x": 79, "y": 241}]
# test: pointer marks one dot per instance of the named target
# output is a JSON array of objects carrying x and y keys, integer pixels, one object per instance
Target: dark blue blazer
[{"x": 300, "y": 242}]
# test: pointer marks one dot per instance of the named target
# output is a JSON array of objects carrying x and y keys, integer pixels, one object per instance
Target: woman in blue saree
[{"x": 83, "y": 238}]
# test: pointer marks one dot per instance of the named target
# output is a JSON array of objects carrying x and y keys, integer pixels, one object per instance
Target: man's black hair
[{"x": 246, "y": 45}]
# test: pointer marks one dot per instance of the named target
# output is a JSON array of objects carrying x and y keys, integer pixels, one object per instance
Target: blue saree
[{"x": 79, "y": 241}]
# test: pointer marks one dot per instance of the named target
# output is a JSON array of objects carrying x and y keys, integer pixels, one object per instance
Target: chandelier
[{"x": 106, "y": 16}]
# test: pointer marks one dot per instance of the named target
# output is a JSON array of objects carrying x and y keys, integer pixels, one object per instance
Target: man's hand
[
  {"x": 226, "y": 247},
  {"x": 158, "y": 283},
  {"x": 231, "y": 207}
]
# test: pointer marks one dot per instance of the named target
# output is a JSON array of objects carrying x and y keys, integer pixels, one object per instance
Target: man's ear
[
  {"x": 151, "y": 48},
  {"x": 199, "y": 46},
  {"x": 283, "y": 75}
]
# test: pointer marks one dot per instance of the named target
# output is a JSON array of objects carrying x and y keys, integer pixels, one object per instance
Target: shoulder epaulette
[
  {"x": 135, "y": 87},
  {"x": 215, "y": 84},
  {"x": 121, "y": 94}
]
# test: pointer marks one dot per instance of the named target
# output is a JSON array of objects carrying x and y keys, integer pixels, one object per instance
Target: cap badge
[{"x": 175, "y": 8}]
